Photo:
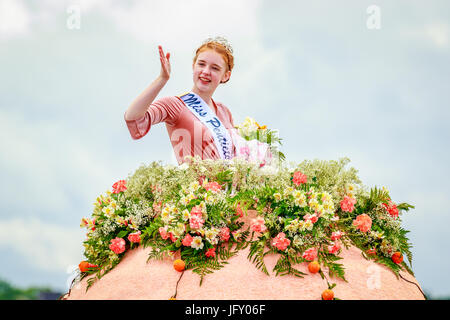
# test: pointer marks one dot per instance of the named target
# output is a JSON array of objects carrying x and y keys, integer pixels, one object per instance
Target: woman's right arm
[{"x": 139, "y": 106}]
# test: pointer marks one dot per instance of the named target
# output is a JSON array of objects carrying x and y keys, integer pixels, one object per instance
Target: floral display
[
  {"x": 307, "y": 212},
  {"x": 257, "y": 144}
]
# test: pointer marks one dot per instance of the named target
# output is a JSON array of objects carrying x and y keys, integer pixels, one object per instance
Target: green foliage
[
  {"x": 10, "y": 292},
  {"x": 157, "y": 197}
]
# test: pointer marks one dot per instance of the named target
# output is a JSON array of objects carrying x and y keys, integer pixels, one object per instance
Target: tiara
[{"x": 220, "y": 40}]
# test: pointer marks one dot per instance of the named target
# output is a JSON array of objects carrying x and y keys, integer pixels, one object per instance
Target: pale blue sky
[{"x": 311, "y": 69}]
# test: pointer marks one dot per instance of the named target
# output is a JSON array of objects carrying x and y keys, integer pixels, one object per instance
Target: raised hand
[{"x": 165, "y": 64}]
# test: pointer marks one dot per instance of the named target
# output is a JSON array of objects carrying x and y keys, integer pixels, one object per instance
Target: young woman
[{"x": 196, "y": 124}]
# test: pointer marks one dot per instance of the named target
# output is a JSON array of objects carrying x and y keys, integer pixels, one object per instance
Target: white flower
[
  {"x": 297, "y": 242},
  {"x": 179, "y": 230},
  {"x": 186, "y": 215},
  {"x": 308, "y": 225},
  {"x": 184, "y": 200},
  {"x": 194, "y": 186},
  {"x": 299, "y": 198},
  {"x": 203, "y": 206},
  {"x": 288, "y": 191},
  {"x": 211, "y": 235},
  {"x": 113, "y": 204},
  {"x": 197, "y": 243},
  {"x": 108, "y": 211},
  {"x": 277, "y": 196},
  {"x": 313, "y": 203},
  {"x": 165, "y": 215}
]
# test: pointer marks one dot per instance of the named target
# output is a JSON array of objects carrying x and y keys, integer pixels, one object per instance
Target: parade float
[{"x": 254, "y": 227}]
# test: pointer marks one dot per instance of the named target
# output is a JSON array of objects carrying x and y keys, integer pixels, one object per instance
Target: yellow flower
[
  {"x": 293, "y": 226},
  {"x": 326, "y": 197},
  {"x": 108, "y": 211},
  {"x": 178, "y": 230},
  {"x": 194, "y": 186},
  {"x": 113, "y": 204},
  {"x": 313, "y": 203},
  {"x": 308, "y": 225},
  {"x": 277, "y": 196},
  {"x": 166, "y": 216},
  {"x": 328, "y": 207},
  {"x": 174, "y": 210},
  {"x": 288, "y": 191},
  {"x": 185, "y": 201},
  {"x": 299, "y": 198},
  {"x": 320, "y": 209},
  {"x": 186, "y": 215},
  {"x": 211, "y": 235}
]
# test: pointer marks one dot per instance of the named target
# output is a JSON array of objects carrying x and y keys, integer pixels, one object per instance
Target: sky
[{"x": 367, "y": 80}]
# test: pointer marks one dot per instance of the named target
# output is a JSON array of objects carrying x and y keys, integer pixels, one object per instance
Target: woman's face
[{"x": 209, "y": 70}]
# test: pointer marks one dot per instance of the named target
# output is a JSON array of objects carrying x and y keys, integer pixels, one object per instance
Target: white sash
[{"x": 203, "y": 112}]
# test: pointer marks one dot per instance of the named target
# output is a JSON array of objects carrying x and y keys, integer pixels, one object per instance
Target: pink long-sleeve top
[{"x": 188, "y": 135}]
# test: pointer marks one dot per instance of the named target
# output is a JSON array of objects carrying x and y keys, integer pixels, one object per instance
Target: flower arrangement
[
  {"x": 257, "y": 143},
  {"x": 307, "y": 213}
]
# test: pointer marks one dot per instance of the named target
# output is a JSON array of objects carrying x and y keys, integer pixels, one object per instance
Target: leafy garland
[{"x": 307, "y": 212}]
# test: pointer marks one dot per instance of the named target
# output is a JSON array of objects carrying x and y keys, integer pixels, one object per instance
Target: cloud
[
  {"x": 15, "y": 19},
  {"x": 434, "y": 33}
]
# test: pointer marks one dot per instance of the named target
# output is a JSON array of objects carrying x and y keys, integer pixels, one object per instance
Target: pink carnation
[
  {"x": 119, "y": 186},
  {"x": 117, "y": 245},
  {"x": 213, "y": 186},
  {"x": 299, "y": 178},
  {"x": 196, "y": 211},
  {"x": 258, "y": 225},
  {"x": 224, "y": 234},
  {"x": 391, "y": 208},
  {"x": 196, "y": 222},
  {"x": 135, "y": 237},
  {"x": 336, "y": 235},
  {"x": 313, "y": 218},
  {"x": 363, "y": 222},
  {"x": 334, "y": 248},
  {"x": 281, "y": 242},
  {"x": 187, "y": 241},
  {"x": 210, "y": 252},
  {"x": 348, "y": 204},
  {"x": 157, "y": 206},
  {"x": 310, "y": 254},
  {"x": 239, "y": 211},
  {"x": 163, "y": 232}
]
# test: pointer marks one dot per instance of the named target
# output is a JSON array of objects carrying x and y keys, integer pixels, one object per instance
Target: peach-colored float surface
[{"x": 135, "y": 278}]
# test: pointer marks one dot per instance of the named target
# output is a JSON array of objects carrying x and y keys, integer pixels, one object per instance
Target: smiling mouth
[{"x": 204, "y": 80}]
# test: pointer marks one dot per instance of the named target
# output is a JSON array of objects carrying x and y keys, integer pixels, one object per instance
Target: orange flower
[
  {"x": 397, "y": 257},
  {"x": 313, "y": 267},
  {"x": 84, "y": 266},
  {"x": 328, "y": 295},
  {"x": 179, "y": 265}
]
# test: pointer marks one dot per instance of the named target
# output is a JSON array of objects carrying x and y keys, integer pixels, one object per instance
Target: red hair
[{"x": 220, "y": 49}]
